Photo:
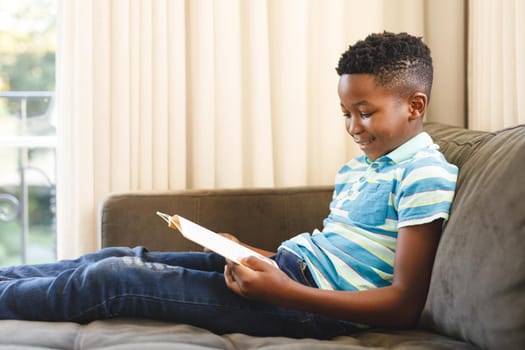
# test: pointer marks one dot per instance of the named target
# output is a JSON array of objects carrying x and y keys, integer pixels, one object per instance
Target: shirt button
[
  {"x": 362, "y": 179},
  {"x": 375, "y": 165}
]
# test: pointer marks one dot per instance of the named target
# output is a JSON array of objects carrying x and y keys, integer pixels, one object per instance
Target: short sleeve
[{"x": 426, "y": 193}]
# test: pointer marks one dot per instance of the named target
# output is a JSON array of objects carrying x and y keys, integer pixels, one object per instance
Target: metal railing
[{"x": 23, "y": 140}]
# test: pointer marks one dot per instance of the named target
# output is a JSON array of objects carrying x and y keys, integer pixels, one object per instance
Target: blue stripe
[
  {"x": 354, "y": 262},
  {"x": 436, "y": 184},
  {"x": 323, "y": 263},
  {"x": 359, "y": 253},
  {"x": 335, "y": 220},
  {"x": 420, "y": 212}
]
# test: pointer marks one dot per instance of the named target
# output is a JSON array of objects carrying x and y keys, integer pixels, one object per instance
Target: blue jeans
[{"x": 168, "y": 286}]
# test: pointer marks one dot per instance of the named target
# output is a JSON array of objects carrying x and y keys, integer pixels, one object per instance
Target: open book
[{"x": 211, "y": 240}]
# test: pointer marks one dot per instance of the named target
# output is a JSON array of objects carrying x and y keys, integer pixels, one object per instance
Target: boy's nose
[{"x": 354, "y": 126}]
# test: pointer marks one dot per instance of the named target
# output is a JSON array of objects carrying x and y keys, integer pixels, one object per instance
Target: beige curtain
[
  {"x": 496, "y": 64},
  {"x": 170, "y": 94}
]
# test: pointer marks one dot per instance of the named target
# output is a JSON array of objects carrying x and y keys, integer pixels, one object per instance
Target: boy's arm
[{"x": 397, "y": 305}]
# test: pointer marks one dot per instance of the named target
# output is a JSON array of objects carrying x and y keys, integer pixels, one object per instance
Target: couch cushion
[
  {"x": 457, "y": 144},
  {"x": 34, "y": 335},
  {"x": 131, "y": 334},
  {"x": 477, "y": 291}
]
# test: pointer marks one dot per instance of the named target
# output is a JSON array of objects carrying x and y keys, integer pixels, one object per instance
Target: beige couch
[{"x": 477, "y": 293}]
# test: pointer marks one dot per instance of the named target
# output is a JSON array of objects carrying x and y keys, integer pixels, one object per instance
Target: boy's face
[{"x": 378, "y": 120}]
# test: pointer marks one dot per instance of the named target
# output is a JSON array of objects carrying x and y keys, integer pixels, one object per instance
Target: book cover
[{"x": 211, "y": 240}]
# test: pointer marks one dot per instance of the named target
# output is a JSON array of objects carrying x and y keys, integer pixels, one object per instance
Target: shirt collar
[{"x": 408, "y": 149}]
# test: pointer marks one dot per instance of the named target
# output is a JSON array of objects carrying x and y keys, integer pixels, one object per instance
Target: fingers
[
  {"x": 241, "y": 277},
  {"x": 258, "y": 263},
  {"x": 239, "y": 272},
  {"x": 229, "y": 278},
  {"x": 236, "y": 277}
]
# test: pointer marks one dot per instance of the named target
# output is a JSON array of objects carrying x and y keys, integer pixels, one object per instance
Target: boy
[{"x": 370, "y": 265}]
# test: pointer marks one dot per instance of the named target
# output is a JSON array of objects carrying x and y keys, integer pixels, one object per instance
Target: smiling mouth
[{"x": 364, "y": 143}]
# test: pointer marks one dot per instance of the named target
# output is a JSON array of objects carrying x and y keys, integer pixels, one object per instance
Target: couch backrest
[
  {"x": 262, "y": 217},
  {"x": 477, "y": 291}
]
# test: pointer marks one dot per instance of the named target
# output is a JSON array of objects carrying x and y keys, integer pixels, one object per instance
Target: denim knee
[{"x": 108, "y": 269}]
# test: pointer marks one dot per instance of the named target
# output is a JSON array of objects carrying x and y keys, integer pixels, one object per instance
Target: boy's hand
[{"x": 256, "y": 279}]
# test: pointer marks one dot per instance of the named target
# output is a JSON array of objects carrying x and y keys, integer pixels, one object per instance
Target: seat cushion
[
  {"x": 477, "y": 291},
  {"x": 130, "y": 334}
]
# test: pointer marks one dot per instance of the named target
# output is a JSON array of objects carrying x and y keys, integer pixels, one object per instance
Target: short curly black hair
[{"x": 400, "y": 62}]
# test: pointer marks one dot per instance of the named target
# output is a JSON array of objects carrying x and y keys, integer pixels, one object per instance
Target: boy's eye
[
  {"x": 365, "y": 115},
  {"x": 346, "y": 115}
]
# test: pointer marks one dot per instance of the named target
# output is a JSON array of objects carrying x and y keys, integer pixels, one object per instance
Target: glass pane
[
  {"x": 27, "y": 196},
  {"x": 27, "y": 131}
]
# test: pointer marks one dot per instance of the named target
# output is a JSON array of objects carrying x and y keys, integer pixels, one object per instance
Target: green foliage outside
[
  {"x": 27, "y": 63},
  {"x": 27, "y": 49}
]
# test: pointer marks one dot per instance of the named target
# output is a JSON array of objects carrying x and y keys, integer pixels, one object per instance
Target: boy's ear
[{"x": 417, "y": 105}]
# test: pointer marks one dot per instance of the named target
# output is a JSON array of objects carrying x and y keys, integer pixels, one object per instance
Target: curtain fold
[
  {"x": 170, "y": 94},
  {"x": 496, "y": 69}
]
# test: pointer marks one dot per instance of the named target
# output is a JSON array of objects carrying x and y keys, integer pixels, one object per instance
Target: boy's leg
[
  {"x": 131, "y": 287},
  {"x": 80, "y": 289},
  {"x": 53, "y": 269},
  {"x": 191, "y": 260},
  {"x": 198, "y": 295}
]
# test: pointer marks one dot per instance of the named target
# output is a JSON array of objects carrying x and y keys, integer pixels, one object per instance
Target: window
[{"x": 27, "y": 131}]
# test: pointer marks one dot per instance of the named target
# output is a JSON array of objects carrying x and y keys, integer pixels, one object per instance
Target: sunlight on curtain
[
  {"x": 171, "y": 94},
  {"x": 496, "y": 64}
]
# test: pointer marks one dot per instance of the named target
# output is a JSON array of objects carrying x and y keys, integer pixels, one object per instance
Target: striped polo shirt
[{"x": 411, "y": 185}]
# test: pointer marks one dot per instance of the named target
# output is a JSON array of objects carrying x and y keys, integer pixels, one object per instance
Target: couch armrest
[{"x": 260, "y": 217}]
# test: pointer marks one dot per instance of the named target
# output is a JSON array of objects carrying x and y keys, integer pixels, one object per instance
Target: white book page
[{"x": 211, "y": 240}]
